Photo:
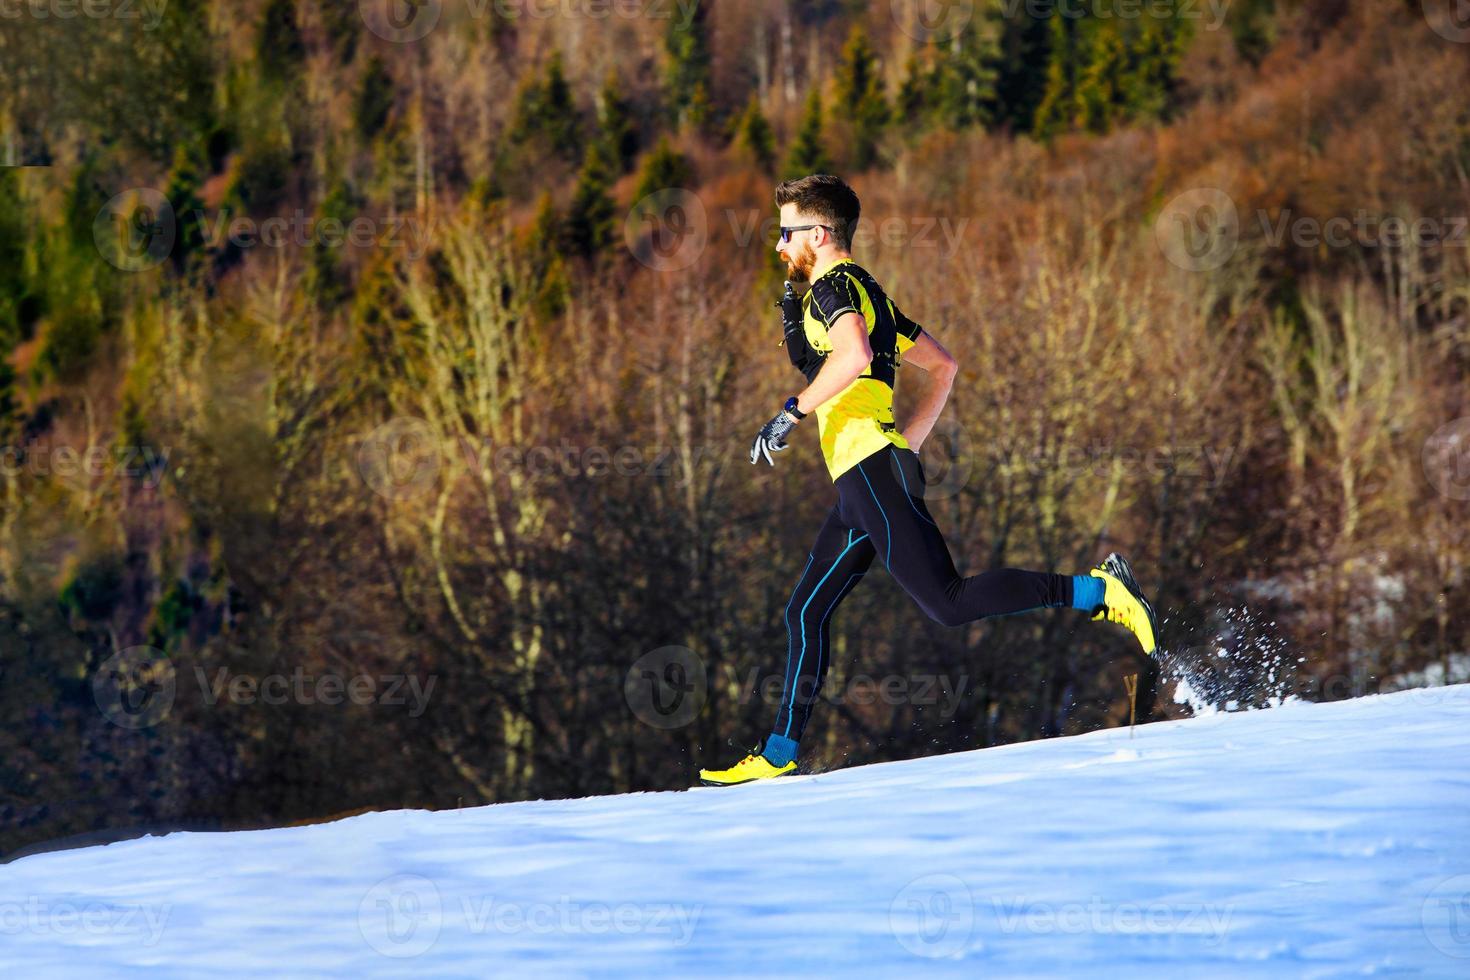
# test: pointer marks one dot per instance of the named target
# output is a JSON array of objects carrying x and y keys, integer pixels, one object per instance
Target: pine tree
[
  {"x": 14, "y": 240},
  {"x": 182, "y": 194},
  {"x": 548, "y": 271},
  {"x": 545, "y": 112},
  {"x": 665, "y": 168},
  {"x": 808, "y": 155},
  {"x": 619, "y": 134},
  {"x": 559, "y": 113},
  {"x": 860, "y": 97},
  {"x": 1057, "y": 110},
  {"x": 687, "y": 77},
  {"x": 591, "y": 221},
  {"x": 1099, "y": 97},
  {"x": 756, "y": 137},
  {"x": 279, "y": 48},
  {"x": 1020, "y": 71},
  {"x": 374, "y": 99},
  {"x": 916, "y": 93},
  {"x": 966, "y": 77}
]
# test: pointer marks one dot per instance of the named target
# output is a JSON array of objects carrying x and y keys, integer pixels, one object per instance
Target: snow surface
[{"x": 1308, "y": 840}]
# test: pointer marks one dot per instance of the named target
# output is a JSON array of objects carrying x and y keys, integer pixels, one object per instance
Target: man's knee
[{"x": 944, "y": 613}]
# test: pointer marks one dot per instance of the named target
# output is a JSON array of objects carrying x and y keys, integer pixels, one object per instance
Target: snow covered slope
[{"x": 1309, "y": 840}]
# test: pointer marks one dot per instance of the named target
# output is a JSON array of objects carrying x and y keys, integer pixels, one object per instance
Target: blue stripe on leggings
[
  {"x": 881, "y": 511},
  {"x": 906, "y": 488},
  {"x": 791, "y": 709}
]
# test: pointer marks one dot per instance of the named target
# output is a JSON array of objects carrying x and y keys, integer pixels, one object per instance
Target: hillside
[{"x": 1309, "y": 840}]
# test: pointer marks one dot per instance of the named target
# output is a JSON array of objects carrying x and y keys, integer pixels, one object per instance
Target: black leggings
[{"x": 880, "y": 511}]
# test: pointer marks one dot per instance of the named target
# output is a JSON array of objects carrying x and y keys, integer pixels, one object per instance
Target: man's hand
[{"x": 772, "y": 437}]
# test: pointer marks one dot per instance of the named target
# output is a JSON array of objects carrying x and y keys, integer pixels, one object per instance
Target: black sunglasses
[{"x": 786, "y": 232}]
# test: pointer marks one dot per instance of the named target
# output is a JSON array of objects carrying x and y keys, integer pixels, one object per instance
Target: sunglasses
[{"x": 787, "y": 232}]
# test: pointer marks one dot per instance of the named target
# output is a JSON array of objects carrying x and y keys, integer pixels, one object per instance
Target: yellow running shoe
[
  {"x": 752, "y": 767},
  {"x": 1123, "y": 601}
]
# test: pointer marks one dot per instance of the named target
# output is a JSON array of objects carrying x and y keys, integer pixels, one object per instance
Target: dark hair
[{"x": 827, "y": 198}]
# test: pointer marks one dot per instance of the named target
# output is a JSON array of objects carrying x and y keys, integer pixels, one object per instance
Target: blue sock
[
  {"x": 779, "y": 750},
  {"x": 1087, "y": 592}
]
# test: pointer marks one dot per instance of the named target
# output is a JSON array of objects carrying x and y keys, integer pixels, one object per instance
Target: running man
[{"x": 848, "y": 339}]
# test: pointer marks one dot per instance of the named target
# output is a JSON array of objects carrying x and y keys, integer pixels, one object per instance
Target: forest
[{"x": 376, "y": 391}]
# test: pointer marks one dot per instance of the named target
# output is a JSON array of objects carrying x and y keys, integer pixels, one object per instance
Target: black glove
[
  {"x": 772, "y": 437},
  {"x": 803, "y": 357}
]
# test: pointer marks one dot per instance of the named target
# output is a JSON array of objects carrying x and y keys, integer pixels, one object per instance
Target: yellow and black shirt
[{"x": 858, "y": 421}]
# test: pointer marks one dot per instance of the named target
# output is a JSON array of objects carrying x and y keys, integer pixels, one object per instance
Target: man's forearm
[
  {"x": 835, "y": 375},
  {"x": 927, "y": 412}
]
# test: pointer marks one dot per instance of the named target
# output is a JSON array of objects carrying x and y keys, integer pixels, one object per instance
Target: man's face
[{"x": 799, "y": 255}]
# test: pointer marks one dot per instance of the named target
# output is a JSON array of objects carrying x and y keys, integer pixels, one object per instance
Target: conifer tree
[
  {"x": 860, "y": 97},
  {"x": 687, "y": 76},
  {"x": 615, "y": 116},
  {"x": 591, "y": 220},
  {"x": 756, "y": 137},
  {"x": 808, "y": 155},
  {"x": 665, "y": 168}
]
